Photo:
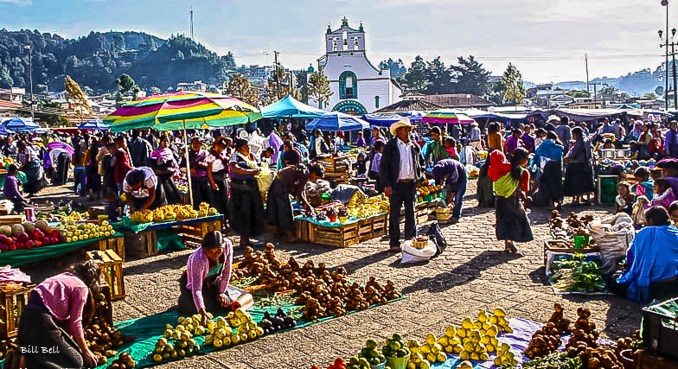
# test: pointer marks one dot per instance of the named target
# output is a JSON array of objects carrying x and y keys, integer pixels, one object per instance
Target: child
[
  {"x": 11, "y": 189},
  {"x": 112, "y": 206},
  {"x": 645, "y": 186},
  {"x": 267, "y": 155},
  {"x": 633, "y": 150},
  {"x": 374, "y": 165},
  {"x": 361, "y": 164},
  {"x": 673, "y": 212},
  {"x": 664, "y": 195},
  {"x": 623, "y": 203},
  {"x": 451, "y": 147}
]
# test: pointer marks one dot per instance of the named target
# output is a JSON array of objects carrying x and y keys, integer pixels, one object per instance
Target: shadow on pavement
[
  {"x": 369, "y": 259},
  {"x": 173, "y": 260},
  {"x": 462, "y": 274}
]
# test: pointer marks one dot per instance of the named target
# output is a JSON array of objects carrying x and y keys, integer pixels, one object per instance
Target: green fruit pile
[
  {"x": 395, "y": 347},
  {"x": 355, "y": 363},
  {"x": 371, "y": 354}
]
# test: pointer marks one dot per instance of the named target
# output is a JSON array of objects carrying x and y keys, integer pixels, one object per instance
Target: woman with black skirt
[
  {"x": 511, "y": 183},
  {"x": 217, "y": 170},
  {"x": 551, "y": 178},
  {"x": 93, "y": 180},
  {"x": 165, "y": 167},
  {"x": 53, "y": 319},
  {"x": 579, "y": 173},
  {"x": 247, "y": 206}
]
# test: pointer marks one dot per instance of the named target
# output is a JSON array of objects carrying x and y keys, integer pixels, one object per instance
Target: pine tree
[
  {"x": 319, "y": 88},
  {"x": 415, "y": 78},
  {"x": 512, "y": 85},
  {"x": 471, "y": 76}
]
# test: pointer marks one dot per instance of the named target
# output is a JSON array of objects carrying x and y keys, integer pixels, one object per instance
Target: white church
[{"x": 358, "y": 86}]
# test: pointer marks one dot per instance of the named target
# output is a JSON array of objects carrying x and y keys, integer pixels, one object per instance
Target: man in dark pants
[
  {"x": 453, "y": 174},
  {"x": 400, "y": 172}
]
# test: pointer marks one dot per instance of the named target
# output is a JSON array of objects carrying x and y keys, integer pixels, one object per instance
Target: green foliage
[
  {"x": 438, "y": 77},
  {"x": 397, "y": 68},
  {"x": 416, "y": 78},
  {"x": 96, "y": 60},
  {"x": 433, "y": 77},
  {"x": 240, "y": 87},
  {"x": 650, "y": 96},
  {"x": 512, "y": 86},
  {"x": 577, "y": 93},
  {"x": 470, "y": 75},
  {"x": 319, "y": 88}
]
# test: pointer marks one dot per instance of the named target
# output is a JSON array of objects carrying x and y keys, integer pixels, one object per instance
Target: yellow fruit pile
[
  {"x": 244, "y": 329},
  {"x": 505, "y": 356},
  {"x": 417, "y": 359},
  {"x": 73, "y": 232},
  {"x": 178, "y": 342},
  {"x": 433, "y": 350},
  {"x": 170, "y": 213},
  {"x": 75, "y": 216},
  {"x": 427, "y": 190},
  {"x": 475, "y": 340},
  {"x": 360, "y": 207}
]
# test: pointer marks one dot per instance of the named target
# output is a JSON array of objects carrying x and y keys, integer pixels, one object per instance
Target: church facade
[{"x": 358, "y": 86}]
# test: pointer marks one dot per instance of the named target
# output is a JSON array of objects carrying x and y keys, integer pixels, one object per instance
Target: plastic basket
[
  {"x": 581, "y": 241},
  {"x": 398, "y": 362},
  {"x": 660, "y": 328},
  {"x": 443, "y": 214}
]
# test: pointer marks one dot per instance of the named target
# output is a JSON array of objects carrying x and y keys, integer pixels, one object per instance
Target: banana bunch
[
  {"x": 75, "y": 216},
  {"x": 172, "y": 212},
  {"x": 505, "y": 356},
  {"x": 427, "y": 190},
  {"x": 433, "y": 350},
  {"x": 417, "y": 359},
  {"x": 142, "y": 216},
  {"x": 367, "y": 207}
]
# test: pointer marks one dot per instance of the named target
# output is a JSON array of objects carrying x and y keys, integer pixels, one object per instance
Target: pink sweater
[
  {"x": 65, "y": 295},
  {"x": 197, "y": 269}
]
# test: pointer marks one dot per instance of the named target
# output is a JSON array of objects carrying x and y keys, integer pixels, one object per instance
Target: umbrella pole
[{"x": 188, "y": 165}]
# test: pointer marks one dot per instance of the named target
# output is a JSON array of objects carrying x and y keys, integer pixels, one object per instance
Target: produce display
[
  {"x": 360, "y": 207},
  {"x": 428, "y": 190},
  {"x": 28, "y": 235},
  {"x": 124, "y": 361},
  {"x": 577, "y": 275},
  {"x": 73, "y": 232},
  {"x": 372, "y": 354},
  {"x": 63, "y": 212},
  {"x": 277, "y": 322},
  {"x": 558, "y": 360},
  {"x": 100, "y": 336},
  {"x": 322, "y": 292},
  {"x": 395, "y": 348},
  {"x": 170, "y": 213},
  {"x": 574, "y": 225}
]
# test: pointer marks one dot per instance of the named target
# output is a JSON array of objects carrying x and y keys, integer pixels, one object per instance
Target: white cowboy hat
[
  {"x": 553, "y": 118},
  {"x": 399, "y": 124}
]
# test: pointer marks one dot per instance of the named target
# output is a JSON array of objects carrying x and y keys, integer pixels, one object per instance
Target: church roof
[{"x": 409, "y": 105}]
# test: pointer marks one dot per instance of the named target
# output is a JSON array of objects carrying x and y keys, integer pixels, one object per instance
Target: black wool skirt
[
  {"x": 247, "y": 209},
  {"x": 551, "y": 181},
  {"x": 512, "y": 222},
  {"x": 578, "y": 179},
  {"x": 279, "y": 208}
]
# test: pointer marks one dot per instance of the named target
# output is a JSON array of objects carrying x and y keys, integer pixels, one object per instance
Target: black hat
[{"x": 213, "y": 240}]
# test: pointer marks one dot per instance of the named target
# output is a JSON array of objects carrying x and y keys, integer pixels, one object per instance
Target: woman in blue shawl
[
  {"x": 652, "y": 260},
  {"x": 550, "y": 154}
]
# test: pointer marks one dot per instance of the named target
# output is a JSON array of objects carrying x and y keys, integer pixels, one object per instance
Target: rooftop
[{"x": 409, "y": 105}]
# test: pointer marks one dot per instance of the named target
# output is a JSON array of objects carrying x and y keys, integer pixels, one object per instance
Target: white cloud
[{"x": 17, "y": 2}]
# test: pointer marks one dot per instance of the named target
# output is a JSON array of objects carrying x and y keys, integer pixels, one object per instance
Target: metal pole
[
  {"x": 666, "y": 85},
  {"x": 675, "y": 93},
  {"x": 188, "y": 165},
  {"x": 277, "y": 74},
  {"x": 30, "y": 78}
]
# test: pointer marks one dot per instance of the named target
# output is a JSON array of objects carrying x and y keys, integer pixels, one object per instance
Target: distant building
[
  {"x": 13, "y": 94},
  {"x": 358, "y": 86},
  {"x": 456, "y": 101},
  {"x": 259, "y": 74},
  {"x": 192, "y": 86}
]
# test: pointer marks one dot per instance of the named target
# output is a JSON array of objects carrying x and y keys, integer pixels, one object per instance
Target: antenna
[
  {"x": 190, "y": 14},
  {"x": 586, "y": 60}
]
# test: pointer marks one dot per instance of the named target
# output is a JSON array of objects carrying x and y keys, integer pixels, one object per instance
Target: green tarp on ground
[
  {"x": 148, "y": 330},
  {"x": 25, "y": 256}
]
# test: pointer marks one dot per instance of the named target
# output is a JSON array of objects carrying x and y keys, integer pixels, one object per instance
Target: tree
[
  {"x": 650, "y": 96},
  {"x": 438, "y": 77},
  {"x": 396, "y": 68},
  {"x": 302, "y": 84},
  {"x": 577, "y": 93},
  {"x": 279, "y": 86},
  {"x": 76, "y": 98},
  {"x": 470, "y": 75},
  {"x": 512, "y": 85},
  {"x": 319, "y": 88},
  {"x": 125, "y": 84},
  {"x": 415, "y": 78},
  {"x": 240, "y": 87}
]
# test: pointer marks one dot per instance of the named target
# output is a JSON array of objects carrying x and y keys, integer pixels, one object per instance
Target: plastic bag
[
  {"x": 265, "y": 178},
  {"x": 613, "y": 235},
  {"x": 413, "y": 255},
  {"x": 436, "y": 235}
]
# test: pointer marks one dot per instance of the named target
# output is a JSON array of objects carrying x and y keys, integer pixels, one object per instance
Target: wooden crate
[
  {"x": 140, "y": 245},
  {"x": 104, "y": 306},
  {"x": 301, "y": 230},
  {"x": 343, "y": 236},
  {"x": 379, "y": 225},
  {"x": 13, "y": 302},
  {"x": 645, "y": 360},
  {"x": 184, "y": 198},
  {"x": 111, "y": 269},
  {"x": 556, "y": 246},
  {"x": 11, "y": 220},
  {"x": 201, "y": 229},
  {"x": 116, "y": 244},
  {"x": 365, "y": 229}
]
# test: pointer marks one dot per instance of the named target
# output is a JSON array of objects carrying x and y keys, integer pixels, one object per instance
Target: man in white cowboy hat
[{"x": 400, "y": 171}]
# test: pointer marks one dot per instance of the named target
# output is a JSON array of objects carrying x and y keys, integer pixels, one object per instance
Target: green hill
[{"x": 96, "y": 60}]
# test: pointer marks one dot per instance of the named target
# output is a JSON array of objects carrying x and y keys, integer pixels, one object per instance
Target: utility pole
[
  {"x": 277, "y": 73},
  {"x": 586, "y": 60},
  {"x": 671, "y": 44},
  {"x": 666, "y": 82},
  {"x": 190, "y": 15},
  {"x": 30, "y": 78}
]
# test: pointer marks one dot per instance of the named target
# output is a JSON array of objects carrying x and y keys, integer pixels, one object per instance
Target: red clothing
[
  {"x": 123, "y": 164},
  {"x": 499, "y": 166},
  {"x": 525, "y": 181},
  {"x": 64, "y": 295},
  {"x": 656, "y": 146}
]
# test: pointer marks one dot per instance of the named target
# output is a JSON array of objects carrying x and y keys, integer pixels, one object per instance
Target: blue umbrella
[
  {"x": 4, "y": 131},
  {"x": 413, "y": 115},
  {"x": 381, "y": 120},
  {"x": 337, "y": 122},
  {"x": 20, "y": 125},
  {"x": 289, "y": 107},
  {"x": 94, "y": 125}
]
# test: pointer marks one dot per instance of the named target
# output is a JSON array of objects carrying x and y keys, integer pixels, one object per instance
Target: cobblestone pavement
[{"x": 473, "y": 273}]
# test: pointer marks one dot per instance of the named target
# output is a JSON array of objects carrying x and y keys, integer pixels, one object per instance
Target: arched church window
[{"x": 348, "y": 85}]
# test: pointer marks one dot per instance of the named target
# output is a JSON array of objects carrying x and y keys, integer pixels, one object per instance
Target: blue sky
[{"x": 546, "y": 39}]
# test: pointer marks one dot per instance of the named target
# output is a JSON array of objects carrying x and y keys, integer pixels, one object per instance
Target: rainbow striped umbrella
[
  {"x": 447, "y": 116},
  {"x": 182, "y": 110}
]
